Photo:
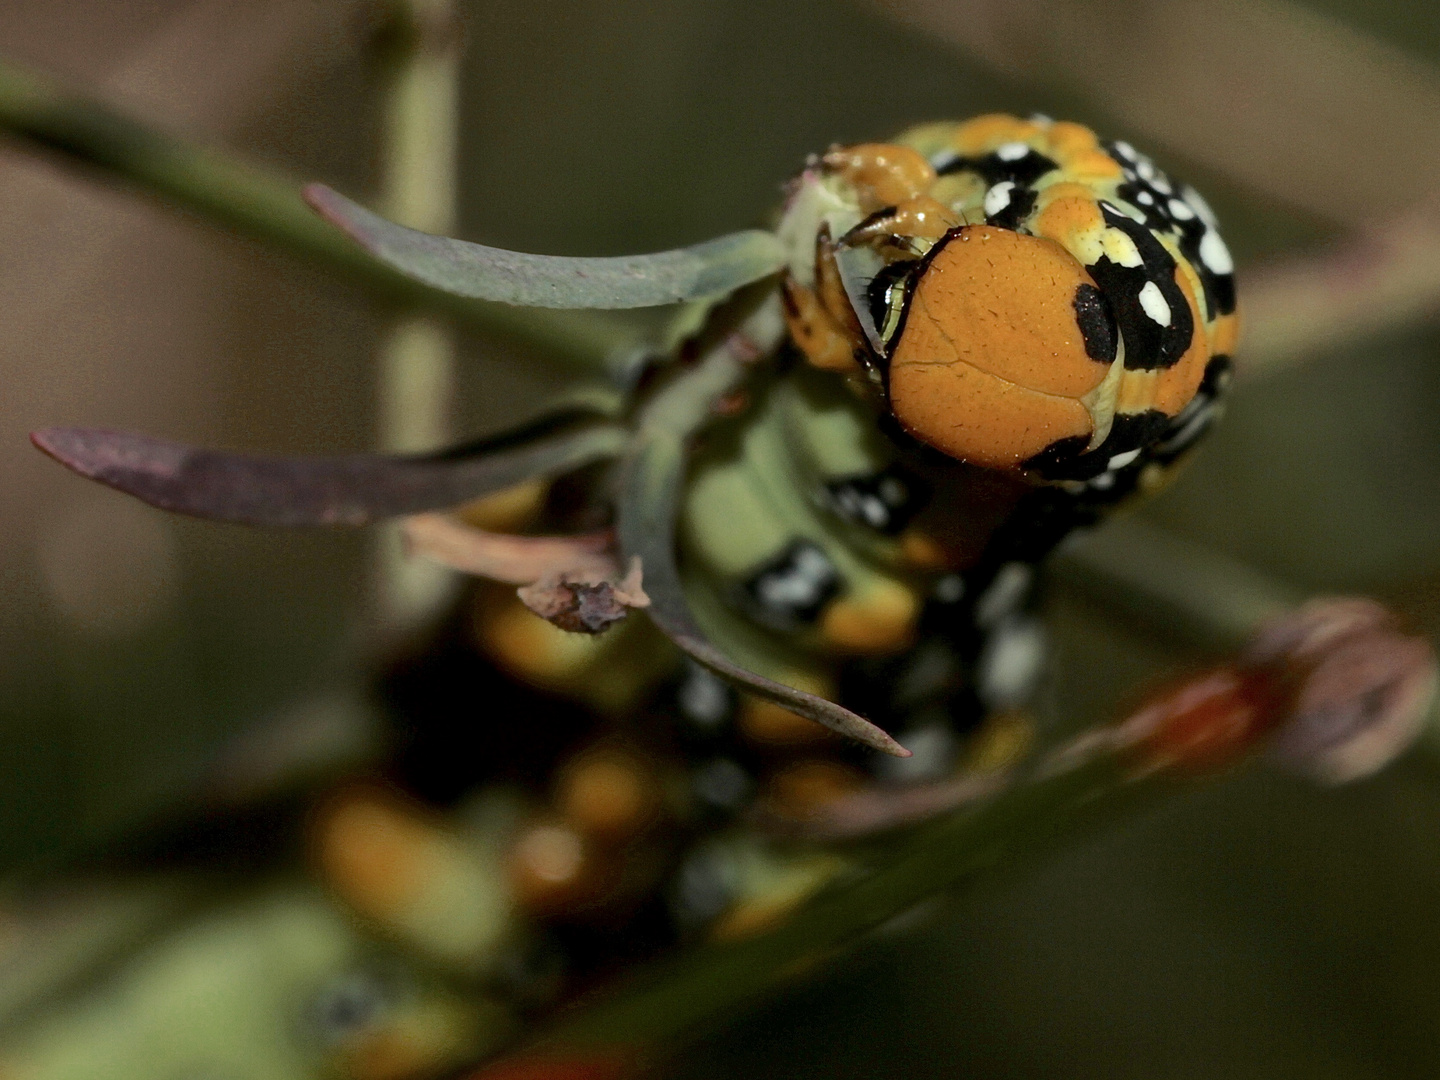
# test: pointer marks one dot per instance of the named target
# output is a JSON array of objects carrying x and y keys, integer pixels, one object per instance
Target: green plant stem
[
  {"x": 267, "y": 206},
  {"x": 415, "y": 365},
  {"x": 1192, "y": 595}
]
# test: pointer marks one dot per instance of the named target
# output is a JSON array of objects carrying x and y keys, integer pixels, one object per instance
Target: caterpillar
[{"x": 951, "y": 350}]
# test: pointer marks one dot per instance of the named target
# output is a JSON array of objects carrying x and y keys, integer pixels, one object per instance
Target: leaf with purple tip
[{"x": 349, "y": 490}]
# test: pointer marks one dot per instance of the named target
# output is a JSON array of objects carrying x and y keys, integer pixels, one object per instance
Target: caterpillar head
[{"x": 1024, "y": 296}]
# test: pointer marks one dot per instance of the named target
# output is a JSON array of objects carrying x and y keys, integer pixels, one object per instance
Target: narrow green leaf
[
  {"x": 713, "y": 268},
  {"x": 649, "y": 503}
]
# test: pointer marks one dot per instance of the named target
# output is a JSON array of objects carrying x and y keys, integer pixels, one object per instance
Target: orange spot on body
[
  {"x": 814, "y": 330},
  {"x": 1068, "y": 214},
  {"x": 1178, "y": 384},
  {"x": 979, "y": 136},
  {"x": 922, "y": 551},
  {"x": 379, "y": 854},
  {"x": 1136, "y": 392},
  {"x": 1068, "y": 139},
  {"x": 554, "y": 871},
  {"x": 765, "y": 722},
  {"x": 807, "y": 787},
  {"x": 1093, "y": 165},
  {"x": 880, "y": 622},
  {"x": 609, "y": 795},
  {"x": 1225, "y": 334}
]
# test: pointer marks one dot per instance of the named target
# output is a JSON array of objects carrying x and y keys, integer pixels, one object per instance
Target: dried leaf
[
  {"x": 1365, "y": 689},
  {"x": 586, "y": 602},
  {"x": 518, "y": 560},
  {"x": 713, "y": 268},
  {"x": 351, "y": 490}
]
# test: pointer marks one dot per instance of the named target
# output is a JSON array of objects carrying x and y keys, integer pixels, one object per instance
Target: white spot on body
[
  {"x": 706, "y": 883},
  {"x": 1199, "y": 205},
  {"x": 1119, "y": 461},
  {"x": 874, "y": 511},
  {"x": 1153, "y": 303},
  {"x": 1145, "y": 169},
  {"x": 862, "y": 506},
  {"x": 1190, "y": 431},
  {"x": 1214, "y": 254},
  {"x": 998, "y": 198},
  {"x": 1161, "y": 183},
  {"x": 798, "y": 585},
  {"x": 1125, "y": 150},
  {"x": 1144, "y": 198},
  {"x": 1012, "y": 151},
  {"x": 1011, "y": 662},
  {"x": 1180, "y": 210},
  {"x": 932, "y": 751},
  {"x": 1126, "y": 209},
  {"x": 1004, "y": 594},
  {"x": 703, "y": 696},
  {"x": 943, "y": 160},
  {"x": 1104, "y": 481}
]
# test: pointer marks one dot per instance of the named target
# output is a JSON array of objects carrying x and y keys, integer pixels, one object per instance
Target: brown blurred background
[{"x": 1258, "y": 927}]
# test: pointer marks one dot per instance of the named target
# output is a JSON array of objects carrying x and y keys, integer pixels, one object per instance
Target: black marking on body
[
  {"x": 1219, "y": 288},
  {"x": 993, "y": 169},
  {"x": 1199, "y": 414},
  {"x": 886, "y": 501},
  {"x": 1149, "y": 202},
  {"x": 889, "y": 292},
  {"x": 1147, "y": 344},
  {"x": 1162, "y": 440},
  {"x": 1058, "y": 461},
  {"x": 914, "y": 272},
  {"x": 1022, "y": 201},
  {"x": 789, "y": 591},
  {"x": 1067, "y": 459},
  {"x": 1096, "y": 322},
  {"x": 1152, "y": 197}
]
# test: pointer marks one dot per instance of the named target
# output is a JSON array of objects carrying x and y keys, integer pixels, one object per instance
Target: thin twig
[
  {"x": 1380, "y": 278},
  {"x": 652, "y": 1012},
  {"x": 415, "y": 361},
  {"x": 1274, "y": 94},
  {"x": 1193, "y": 595},
  {"x": 268, "y": 206}
]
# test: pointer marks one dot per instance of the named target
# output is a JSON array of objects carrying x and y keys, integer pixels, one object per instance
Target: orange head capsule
[{"x": 993, "y": 364}]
